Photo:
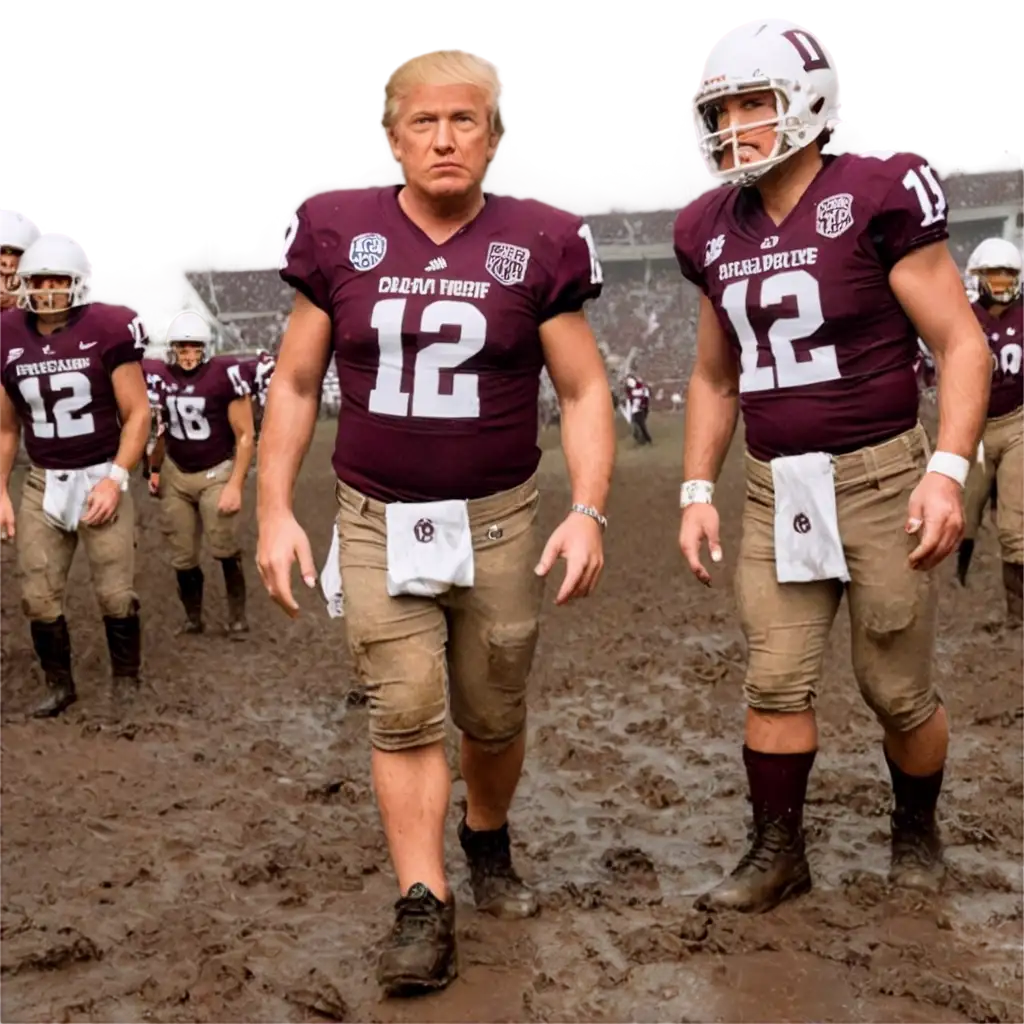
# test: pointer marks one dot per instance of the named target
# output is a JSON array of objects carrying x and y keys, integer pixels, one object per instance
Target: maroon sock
[{"x": 778, "y": 785}]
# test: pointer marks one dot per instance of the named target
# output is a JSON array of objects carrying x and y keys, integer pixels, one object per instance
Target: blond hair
[{"x": 443, "y": 67}]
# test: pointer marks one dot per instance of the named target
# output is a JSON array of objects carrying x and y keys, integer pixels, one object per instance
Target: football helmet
[
  {"x": 996, "y": 254},
  {"x": 188, "y": 328},
  {"x": 774, "y": 55},
  {"x": 54, "y": 256},
  {"x": 16, "y": 231}
]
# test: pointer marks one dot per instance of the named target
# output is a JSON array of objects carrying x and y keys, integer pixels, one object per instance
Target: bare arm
[
  {"x": 588, "y": 419},
  {"x": 10, "y": 435},
  {"x": 292, "y": 399},
  {"x": 133, "y": 406},
  {"x": 240, "y": 418},
  {"x": 712, "y": 400},
  {"x": 927, "y": 284}
]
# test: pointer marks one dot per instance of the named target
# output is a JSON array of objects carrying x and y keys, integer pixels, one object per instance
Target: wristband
[
  {"x": 956, "y": 467},
  {"x": 119, "y": 475},
  {"x": 696, "y": 492}
]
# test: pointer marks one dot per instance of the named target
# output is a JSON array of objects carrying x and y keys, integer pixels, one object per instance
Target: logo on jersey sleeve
[
  {"x": 15, "y": 353},
  {"x": 713, "y": 249},
  {"x": 834, "y": 215},
  {"x": 507, "y": 263},
  {"x": 366, "y": 251}
]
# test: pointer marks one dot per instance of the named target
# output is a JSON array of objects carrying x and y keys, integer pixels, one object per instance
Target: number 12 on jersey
[{"x": 387, "y": 397}]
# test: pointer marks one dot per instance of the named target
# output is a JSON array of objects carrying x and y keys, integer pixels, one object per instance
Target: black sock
[
  {"x": 915, "y": 794},
  {"x": 778, "y": 785}
]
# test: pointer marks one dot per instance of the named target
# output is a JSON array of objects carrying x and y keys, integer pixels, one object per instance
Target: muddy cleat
[
  {"x": 419, "y": 954},
  {"x": 497, "y": 889},
  {"x": 53, "y": 648},
  {"x": 773, "y": 869},
  {"x": 234, "y": 584},
  {"x": 124, "y": 642},
  {"x": 916, "y": 852},
  {"x": 190, "y": 590},
  {"x": 964, "y": 554}
]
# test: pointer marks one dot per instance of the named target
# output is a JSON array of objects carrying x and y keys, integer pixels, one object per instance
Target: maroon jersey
[
  {"x": 195, "y": 405},
  {"x": 262, "y": 371},
  {"x": 154, "y": 373},
  {"x": 826, "y": 352},
  {"x": 437, "y": 347},
  {"x": 61, "y": 384},
  {"x": 638, "y": 396},
  {"x": 1005, "y": 335}
]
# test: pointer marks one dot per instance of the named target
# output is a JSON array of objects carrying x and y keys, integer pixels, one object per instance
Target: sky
[{"x": 192, "y": 128}]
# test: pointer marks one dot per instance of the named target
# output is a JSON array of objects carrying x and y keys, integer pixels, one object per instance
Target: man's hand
[
  {"x": 102, "y": 502},
  {"x": 282, "y": 541},
  {"x": 936, "y": 509},
  {"x": 6, "y": 517},
  {"x": 700, "y": 523},
  {"x": 230, "y": 500},
  {"x": 154, "y": 483},
  {"x": 577, "y": 540}
]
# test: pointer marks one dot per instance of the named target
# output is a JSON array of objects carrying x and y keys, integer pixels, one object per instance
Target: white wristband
[
  {"x": 696, "y": 492},
  {"x": 119, "y": 475},
  {"x": 956, "y": 467}
]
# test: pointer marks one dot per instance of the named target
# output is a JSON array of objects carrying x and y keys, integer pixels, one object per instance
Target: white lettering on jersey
[
  {"x": 768, "y": 263},
  {"x": 52, "y": 366}
]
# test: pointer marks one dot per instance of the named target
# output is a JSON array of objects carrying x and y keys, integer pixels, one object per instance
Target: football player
[
  {"x": 153, "y": 371},
  {"x": 440, "y": 304},
  {"x": 996, "y": 265},
  {"x": 72, "y": 377},
  {"x": 17, "y": 233},
  {"x": 638, "y": 402},
  {"x": 200, "y": 464},
  {"x": 818, "y": 274}
]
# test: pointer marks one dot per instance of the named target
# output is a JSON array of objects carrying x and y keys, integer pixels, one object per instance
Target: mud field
[{"x": 215, "y": 855}]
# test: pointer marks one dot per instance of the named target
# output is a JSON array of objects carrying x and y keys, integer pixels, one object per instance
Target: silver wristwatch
[{"x": 589, "y": 510}]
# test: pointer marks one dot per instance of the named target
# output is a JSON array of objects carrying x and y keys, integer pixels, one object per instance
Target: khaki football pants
[
  {"x": 472, "y": 645},
  {"x": 189, "y": 506},
  {"x": 892, "y": 607},
  {"x": 1004, "y": 466},
  {"x": 45, "y": 553}
]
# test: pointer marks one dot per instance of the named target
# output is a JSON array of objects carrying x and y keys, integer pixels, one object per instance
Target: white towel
[
  {"x": 66, "y": 490},
  {"x": 330, "y": 580},
  {"x": 430, "y": 547},
  {"x": 807, "y": 542}
]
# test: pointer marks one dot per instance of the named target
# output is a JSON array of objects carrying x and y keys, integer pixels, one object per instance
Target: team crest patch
[
  {"x": 507, "y": 263},
  {"x": 713, "y": 249},
  {"x": 834, "y": 215},
  {"x": 366, "y": 251},
  {"x": 15, "y": 353}
]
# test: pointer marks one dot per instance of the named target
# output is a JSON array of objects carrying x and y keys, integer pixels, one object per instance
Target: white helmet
[
  {"x": 768, "y": 54},
  {"x": 55, "y": 256},
  {"x": 189, "y": 328},
  {"x": 16, "y": 231},
  {"x": 996, "y": 254}
]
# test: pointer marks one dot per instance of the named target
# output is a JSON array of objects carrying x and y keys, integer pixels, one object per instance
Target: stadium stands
[{"x": 646, "y": 316}]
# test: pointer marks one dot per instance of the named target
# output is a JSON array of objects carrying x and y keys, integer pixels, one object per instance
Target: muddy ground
[{"x": 215, "y": 855}]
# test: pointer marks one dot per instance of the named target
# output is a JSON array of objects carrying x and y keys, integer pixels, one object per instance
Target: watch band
[{"x": 589, "y": 510}]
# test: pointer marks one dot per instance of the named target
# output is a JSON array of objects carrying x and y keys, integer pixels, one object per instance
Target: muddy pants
[
  {"x": 472, "y": 646},
  {"x": 892, "y": 607},
  {"x": 1004, "y": 467},
  {"x": 189, "y": 506},
  {"x": 45, "y": 552}
]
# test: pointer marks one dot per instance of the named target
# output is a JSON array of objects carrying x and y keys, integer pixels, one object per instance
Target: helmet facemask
[
  {"x": 43, "y": 301},
  {"x": 194, "y": 353},
  {"x": 1002, "y": 296}
]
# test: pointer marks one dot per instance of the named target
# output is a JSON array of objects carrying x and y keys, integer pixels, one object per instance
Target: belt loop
[{"x": 363, "y": 502}]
